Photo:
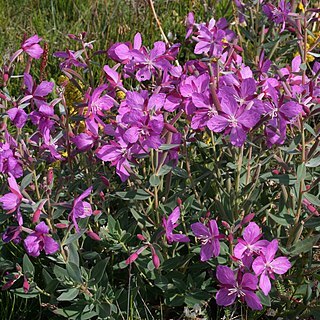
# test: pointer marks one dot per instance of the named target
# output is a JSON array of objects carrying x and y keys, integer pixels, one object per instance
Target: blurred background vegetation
[{"x": 106, "y": 21}]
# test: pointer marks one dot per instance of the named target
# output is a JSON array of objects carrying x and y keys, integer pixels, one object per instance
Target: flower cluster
[
  {"x": 134, "y": 126},
  {"x": 252, "y": 255}
]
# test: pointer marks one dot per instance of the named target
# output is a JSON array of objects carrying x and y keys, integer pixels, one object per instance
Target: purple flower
[
  {"x": 191, "y": 85},
  {"x": 205, "y": 110},
  {"x": 189, "y": 23},
  {"x": 171, "y": 224},
  {"x": 281, "y": 114},
  {"x": 40, "y": 240},
  {"x": 98, "y": 102},
  {"x": 209, "y": 237},
  {"x": 121, "y": 52},
  {"x": 12, "y": 233},
  {"x": 266, "y": 266},
  {"x": 11, "y": 201},
  {"x": 71, "y": 59},
  {"x": 250, "y": 243},
  {"x": 81, "y": 209},
  {"x": 242, "y": 287},
  {"x": 9, "y": 162},
  {"x": 37, "y": 93},
  {"x": 213, "y": 38},
  {"x": 17, "y": 116},
  {"x": 149, "y": 62},
  {"x": 278, "y": 15},
  {"x": 119, "y": 153},
  {"x": 43, "y": 118},
  {"x": 234, "y": 120},
  {"x": 31, "y": 47},
  {"x": 84, "y": 141}
]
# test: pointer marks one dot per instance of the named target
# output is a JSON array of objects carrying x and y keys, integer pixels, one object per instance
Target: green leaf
[
  {"x": 111, "y": 224},
  {"x": 74, "y": 272},
  {"x": 98, "y": 271},
  {"x": 265, "y": 300},
  {"x": 73, "y": 237},
  {"x": 104, "y": 310},
  {"x": 133, "y": 195},
  {"x": 301, "y": 172},
  {"x": 285, "y": 179},
  {"x": 198, "y": 297},
  {"x": 27, "y": 265},
  {"x": 73, "y": 253},
  {"x": 154, "y": 180},
  {"x": 312, "y": 198},
  {"x": 26, "y": 181},
  {"x": 140, "y": 218},
  {"x": 69, "y": 295},
  {"x": 304, "y": 245},
  {"x": 60, "y": 273},
  {"x": 166, "y": 147},
  {"x": 30, "y": 295},
  {"x": 284, "y": 220},
  {"x": 176, "y": 262},
  {"x": 313, "y": 223},
  {"x": 180, "y": 173},
  {"x": 313, "y": 163},
  {"x": 165, "y": 169},
  {"x": 161, "y": 282}
]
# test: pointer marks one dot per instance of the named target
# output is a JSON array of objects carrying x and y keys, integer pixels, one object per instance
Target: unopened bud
[
  {"x": 93, "y": 236},
  {"x": 141, "y": 237},
  {"x": 226, "y": 224},
  {"x": 170, "y": 128},
  {"x": 61, "y": 225}
]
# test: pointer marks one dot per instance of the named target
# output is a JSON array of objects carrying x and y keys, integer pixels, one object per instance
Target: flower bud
[
  {"x": 155, "y": 258},
  {"x": 50, "y": 176},
  {"x": 93, "y": 236},
  {"x": 61, "y": 225},
  {"x": 141, "y": 237},
  {"x": 226, "y": 224},
  {"x": 26, "y": 285}
]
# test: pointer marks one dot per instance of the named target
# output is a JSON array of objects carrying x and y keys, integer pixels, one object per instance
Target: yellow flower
[
  {"x": 311, "y": 41},
  {"x": 72, "y": 94},
  {"x": 301, "y": 6},
  {"x": 207, "y": 138},
  {"x": 120, "y": 94}
]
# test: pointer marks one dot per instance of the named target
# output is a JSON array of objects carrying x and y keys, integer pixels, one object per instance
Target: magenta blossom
[
  {"x": 171, "y": 224},
  {"x": 31, "y": 47},
  {"x": 40, "y": 240},
  {"x": 119, "y": 153},
  {"x": 149, "y": 62},
  {"x": 12, "y": 201},
  {"x": 234, "y": 120},
  {"x": 250, "y": 243},
  {"x": 243, "y": 286},
  {"x": 9, "y": 162},
  {"x": 266, "y": 266},
  {"x": 81, "y": 209},
  {"x": 18, "y": 116},
  {"x": 213, "y": 38},
  {"x": 12, "y": 233},
  {"x": 279, "y": 14},
  {"x": 36, "y": 92},
  {"x": 71, "y": 58},
  {"x": 209, "y": 237}
]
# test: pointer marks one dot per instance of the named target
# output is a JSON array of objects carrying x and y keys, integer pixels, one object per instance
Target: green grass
[{"x": 106, "y": 21}]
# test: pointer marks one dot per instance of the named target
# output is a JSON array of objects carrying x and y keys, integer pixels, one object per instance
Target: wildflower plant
[{"x": 153, "y": 185}]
